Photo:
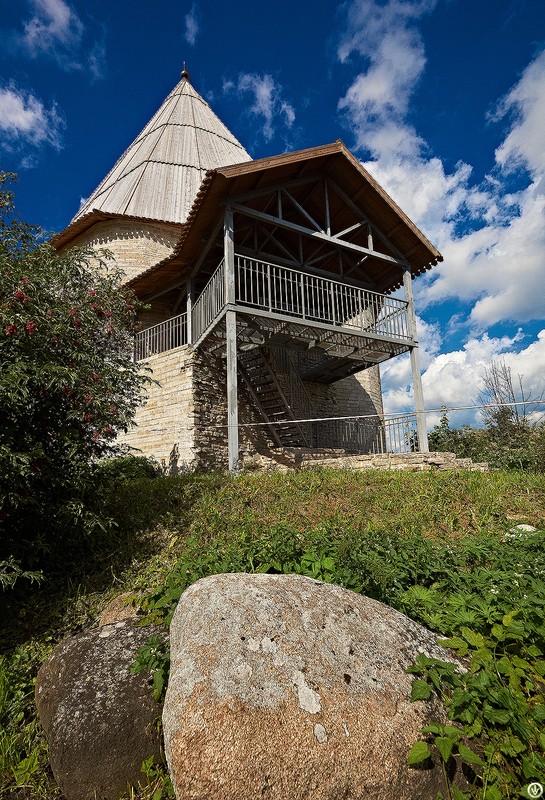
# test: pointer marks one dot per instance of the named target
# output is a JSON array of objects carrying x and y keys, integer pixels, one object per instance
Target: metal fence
[
  {"x": 368, "y": 435},
  {"x": 158, "y": 338},
  {"x": 209, "y": 303},
  {"x": 290, "y": 292}
]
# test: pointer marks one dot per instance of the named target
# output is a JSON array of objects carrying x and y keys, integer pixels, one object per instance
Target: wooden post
[
  {"x": 423, "y": 446},
  {"x": 231, "y": 341},
  {"x": 189, "y": 309}
]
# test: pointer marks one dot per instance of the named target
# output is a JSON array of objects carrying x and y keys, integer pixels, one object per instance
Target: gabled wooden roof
[{"x": 333, "y": 161}]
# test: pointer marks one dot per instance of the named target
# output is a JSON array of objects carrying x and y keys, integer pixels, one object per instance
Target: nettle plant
[
  {"x": 68, "y": 383},
  {"x": 491, "y": 609}
]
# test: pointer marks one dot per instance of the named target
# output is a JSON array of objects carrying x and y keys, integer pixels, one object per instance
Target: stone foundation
[
  {"x": 183, "y": 422},
  {"x": 165, "y": 423}
]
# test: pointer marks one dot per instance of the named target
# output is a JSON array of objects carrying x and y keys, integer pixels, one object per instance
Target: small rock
[
  {"x": 118, "y": 609},
  {"x": 100, "y": 721}
]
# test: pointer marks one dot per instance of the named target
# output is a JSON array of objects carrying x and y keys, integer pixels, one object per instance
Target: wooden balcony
[{"x": 344, "y": 328}]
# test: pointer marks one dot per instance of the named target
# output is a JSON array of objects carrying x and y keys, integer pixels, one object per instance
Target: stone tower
[{"x": 269, "y": 289}]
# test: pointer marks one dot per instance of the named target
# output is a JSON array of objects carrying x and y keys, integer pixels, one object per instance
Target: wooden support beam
[
  {"x": 165, "y": 290},
  {"x": 272, "y": 236},
  {"x": 231, "y": 341},
  {"x": 229, "y": 255},
  {"x": 305, "y": 213},
  {"x": 419, "y": 406},
  {"x": 349, "y": 230},
  {"x": 327, "y": 210},
  {"x": 206, "y": 249},
  {"x": 402, "y": 259},
  {"x": 232, "y": 390},
  {"x": 276, "y": 187}
]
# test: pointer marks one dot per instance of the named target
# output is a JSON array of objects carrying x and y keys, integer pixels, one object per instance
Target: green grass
[{"x": 427, "y": 543}]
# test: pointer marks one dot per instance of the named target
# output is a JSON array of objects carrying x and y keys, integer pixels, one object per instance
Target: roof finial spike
[{"x": 185, "y": 75}]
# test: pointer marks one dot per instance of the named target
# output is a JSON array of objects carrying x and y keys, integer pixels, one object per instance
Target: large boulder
[
  {"x": 289, "y": 689},
  {"x": 100, "y": 721}
]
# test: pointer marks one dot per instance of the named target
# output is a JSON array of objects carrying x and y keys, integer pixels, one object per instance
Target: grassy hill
[{"x": 437, "y": 546}]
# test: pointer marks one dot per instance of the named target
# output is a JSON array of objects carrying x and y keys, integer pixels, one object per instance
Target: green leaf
[
  {"x": 469, "y": 755},
  {"x": 493, "y": 793},
  {"x": 435, "y": 728},
  {"x": 508, "y": 618},
  {"x": 457, "y": 794},
  {"x": 499, "y": 716},
  {"x": 455, "y": 643},
  {"x": 420, "y": 690},
  {"x": 444, "y": 744},
  {"x": 419, "y": 752},
  {"x": 498, "y": 632},
  {"x": 473, "y": 638}
]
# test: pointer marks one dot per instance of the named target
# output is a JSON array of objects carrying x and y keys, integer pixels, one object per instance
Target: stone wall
[
  {"x": 210, "y": 388},
  {"x": 357, "y": 395},
  {"x": 134, "y": 245},
  {"x": 183, "y": 422},
  {"x": 165, "y": 423}
]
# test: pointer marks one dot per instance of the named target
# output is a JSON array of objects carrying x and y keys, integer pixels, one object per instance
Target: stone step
[{"x": 299, "y": 457}]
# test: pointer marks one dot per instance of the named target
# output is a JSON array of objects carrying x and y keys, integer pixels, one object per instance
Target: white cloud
[
  {"x": 55, "y": 30},
  {"x": 526, "y": 102},
  {"x": 267, "y": 101},
  {"x": 55, "y": 26},
  {"x": 25, "y": 120},
  {"x": 377, "y": 101},
  {"x": 492, "y": 240},
  {"x": 191, "y": 26},
  {"x": 455, "y": 379},
  {"x": 96, "y": 60}
]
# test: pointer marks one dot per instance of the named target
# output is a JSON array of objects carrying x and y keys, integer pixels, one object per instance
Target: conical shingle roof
[{"x": 159, "y": 175}]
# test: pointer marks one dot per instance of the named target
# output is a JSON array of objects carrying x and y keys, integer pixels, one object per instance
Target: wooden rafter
[
  {"x": 303, "y": 211},
  {"x": 401, "y": 259},
  {"x": 281, "y": 223}
]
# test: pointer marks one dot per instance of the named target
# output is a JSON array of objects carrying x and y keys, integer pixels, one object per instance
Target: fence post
[
  {"x": 231, "y": 341},
  {"x": 423, "y": 446},
  {"x": 189, "y": 318}
]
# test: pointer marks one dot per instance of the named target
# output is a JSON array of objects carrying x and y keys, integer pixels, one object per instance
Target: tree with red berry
[{"x": 68, "y": 383}]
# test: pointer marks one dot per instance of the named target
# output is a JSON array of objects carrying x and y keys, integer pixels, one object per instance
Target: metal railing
[
  {"x": 290, "y": 292},
  {"x": 372, "y": 435},
  {"x": 284, "y": 291},
  {"x": 294, "y": 389},
  {"x": 158, "y": 338},
  {"x": 401, "y": 434},
  {"x": 209, "y": 303}
]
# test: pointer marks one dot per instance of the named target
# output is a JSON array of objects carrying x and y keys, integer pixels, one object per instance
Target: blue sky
[{"x": 442, "y": 100}]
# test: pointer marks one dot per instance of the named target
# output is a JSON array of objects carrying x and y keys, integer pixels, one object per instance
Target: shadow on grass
[{"x": 79, "y": 566}]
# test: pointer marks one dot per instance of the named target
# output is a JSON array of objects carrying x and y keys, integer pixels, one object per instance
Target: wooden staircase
[{"x": 274, "y": 393}]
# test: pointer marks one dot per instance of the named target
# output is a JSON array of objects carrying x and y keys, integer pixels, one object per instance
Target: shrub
[{"x": 68, "y": 383}]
